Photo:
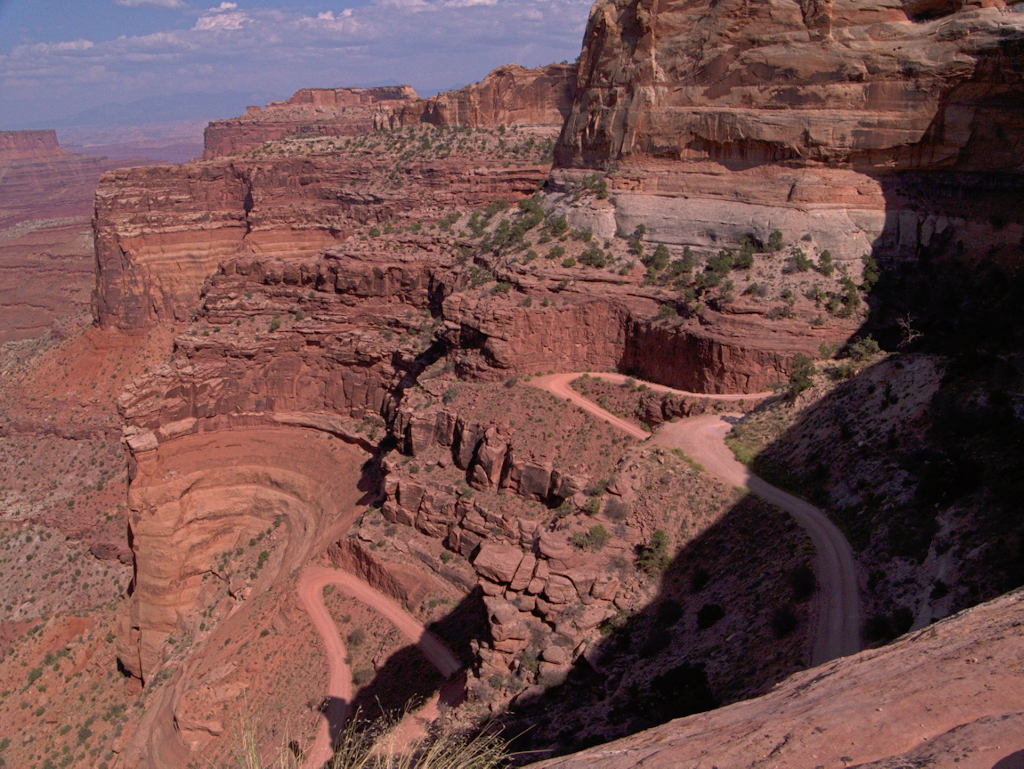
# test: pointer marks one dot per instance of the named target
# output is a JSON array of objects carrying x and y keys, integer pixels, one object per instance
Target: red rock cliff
[
  {"x": 28, "y": 144},
  {"x": 510, "y": 95},
  {"x": 731, "y": 118}
]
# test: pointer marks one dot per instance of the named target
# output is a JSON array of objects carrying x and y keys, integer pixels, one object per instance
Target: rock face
[
  {"x": 186, "y": 513},
  {"x": 510, "y": 95},
  {"x": 46, "y": 248},
  {"x": 860, "y": 711},
  {"x": 160, "y": 232},
  {"x": 833, "y": 119},
  {"x": 29, "y": 144},
  {"x": 310, "y": 112}
]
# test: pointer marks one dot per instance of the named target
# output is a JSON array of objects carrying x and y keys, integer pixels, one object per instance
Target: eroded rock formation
[
  {"x": 832, "y": 119},
  {"x": 510, "y": 95}
]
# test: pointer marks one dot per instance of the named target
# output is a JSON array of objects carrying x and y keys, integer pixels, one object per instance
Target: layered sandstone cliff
[
  {"x": 719, "y": 120},
  {"x": 46, "y": 248},
  {"x": 161, "y": 232},
  {"x": 310, "y": 112},
  {"x": 510, "y": 95}
]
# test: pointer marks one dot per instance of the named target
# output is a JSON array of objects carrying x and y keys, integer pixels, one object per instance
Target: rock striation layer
[
  {"x": 867, "y": 126},
  {"x": 509, "y": 95}
]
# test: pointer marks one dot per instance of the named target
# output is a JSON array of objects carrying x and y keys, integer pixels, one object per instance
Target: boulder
[{"x": 498, "y": 562}]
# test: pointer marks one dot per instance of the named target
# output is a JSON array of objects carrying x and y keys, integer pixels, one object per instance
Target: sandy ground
[{"x": 339, "y": 688}]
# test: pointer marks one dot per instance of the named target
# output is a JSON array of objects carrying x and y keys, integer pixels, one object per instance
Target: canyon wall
[
  {"x": 510, "y": 95},
  {"x": 161, "y": 232},
  {"x": 837, "y": 120},
  {"x": 26, "y": 144},
  {"x": 46, "y": 247},
  {"x": 310, "y": 112}
]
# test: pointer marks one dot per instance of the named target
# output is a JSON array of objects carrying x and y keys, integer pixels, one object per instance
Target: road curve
[
  {"x": 312, "y": 582},
  {"x": 703, "y": 438}
]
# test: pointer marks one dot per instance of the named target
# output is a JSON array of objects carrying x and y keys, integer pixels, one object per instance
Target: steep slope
[{"x": 860, "y": 710}]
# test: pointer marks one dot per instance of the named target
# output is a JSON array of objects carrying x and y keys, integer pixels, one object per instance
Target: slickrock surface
[
  {"x": 509, "y": 95},
  {"x": 950, "y": 694}
]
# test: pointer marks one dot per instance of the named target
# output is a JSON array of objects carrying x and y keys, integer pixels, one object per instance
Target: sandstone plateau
[{"x": 318, "y": 345}]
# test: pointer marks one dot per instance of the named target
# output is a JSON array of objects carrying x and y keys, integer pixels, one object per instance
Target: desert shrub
[
  {"x": 870, "y": 275},
  {"x": 374, "y": 232},
  {"x": 745, "y": 258},
  {"x": 800, "y": 261},
  {"x": 885, "y": 627},
  {"x": 775, "y": 241},
  {"x": 556, "y": 252},
  {"x": 803, "y": 583},
  {"x": 864, "y": 349},
  {"x": 756, "y": 289},
  {"x": 681, "y": 691},
  {"x": 594, "y": 539},
  {"x": 658, "y": 259},
  {"x": 803, "y": 374},
  {"x": 669, "y": 613},
  {"x": 721, "y": 264},
  {"x": 667, "y": 312},
  {"x": 825, "y": 265},
  {"x": 654, "y": 558},
  {"x": 557, "y": 225},
  {"x": 708, "y": 615},
  {"x": 616, "y": 510},
  {"x": 568, "y": 262},
  {"x": 356, "y": 638},
  {"x": 593, "y": 256},
  {"x": 699, "y": 579}
]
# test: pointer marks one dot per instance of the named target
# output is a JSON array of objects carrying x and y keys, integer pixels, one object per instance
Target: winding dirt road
[
  {"x": 703, "y": 438},
  {"x": 312, "y": 582}
]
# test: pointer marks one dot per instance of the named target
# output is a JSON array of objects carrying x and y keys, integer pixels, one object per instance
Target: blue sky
[{"x": 60, "y": 58}]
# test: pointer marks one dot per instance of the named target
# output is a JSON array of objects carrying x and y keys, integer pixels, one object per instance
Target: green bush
[
  {"x": 803, "y": 374},
  {"x": 864, "y": 349},
  {"x": 595, "y": 539},
  {"x": 825, "y": 265},
  {"x": 800, "y": 261},
  {"x": 870, "y": 275},
  {"x": 775, "y": 241},
  {"x": 708, "y": 615},
  {"x": 654, "y": 558}
]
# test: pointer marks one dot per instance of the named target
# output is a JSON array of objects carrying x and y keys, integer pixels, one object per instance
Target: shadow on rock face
[{"x": 1012, "y": 761}]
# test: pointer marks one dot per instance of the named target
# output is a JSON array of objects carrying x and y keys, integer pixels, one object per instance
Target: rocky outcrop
[
  {"x": 310, "y": 112},
  {"x": 161, "y": 232},
  {"x": 195, "y": 525},
  {"x": 729, "y": 119},
  {"x": 509, "y": 95},
  {"x": 29, "y": 144},
  {"x": 861, "y": 710}
]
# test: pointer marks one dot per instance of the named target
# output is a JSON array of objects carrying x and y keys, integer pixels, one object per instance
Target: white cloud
[
  {"x": 430, "y": 44},
  {"x": 172, "y": 5},
  {"x": 224, "y": 18}
]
